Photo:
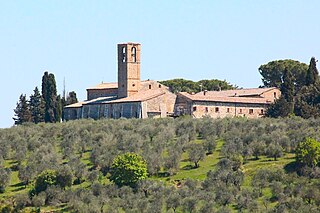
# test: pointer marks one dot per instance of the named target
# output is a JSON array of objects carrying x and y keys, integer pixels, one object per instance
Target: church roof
[
  {"x": 113, "y": 85},
  {"x": 231, "y": 96},
  {"x": 140, "y": 96},
  {"x": 237, "y": 92}
]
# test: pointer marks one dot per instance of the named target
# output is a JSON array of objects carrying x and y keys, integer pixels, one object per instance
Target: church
[
  {"x": 132, "y": 97},
  {"x": 129, "y": 97}
]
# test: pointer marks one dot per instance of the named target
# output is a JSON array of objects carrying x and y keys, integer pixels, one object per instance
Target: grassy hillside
[{"x": 234, "y": 185}]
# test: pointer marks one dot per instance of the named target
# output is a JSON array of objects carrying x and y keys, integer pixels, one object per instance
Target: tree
[
  {"x": 22, "y": 111},
  {"x": 4, "y": 179},
  {"x": 58, "y": 109},
  {"x": 307, "y": 103},
  {"x": 312, "y": 73},
  {"x": 272, "y": 72},
  {"x": 284, "y": 106},
  {"x": 49, "y": 94},
  {"x": 37, "y": 106},
  {"x": 196, "y": 153},
  {"x": 64, "y": 176},
  {"x": 127, "y": 169},
  {"x": 72, "y": 98},
  {"x": 182, "y": 85},
  {"x": 44, "y": 180},
  {"x": 308, "y": 152},
  {"x": 274, "y": 150}
]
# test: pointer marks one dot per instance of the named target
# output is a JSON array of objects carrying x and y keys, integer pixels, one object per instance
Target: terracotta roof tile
[
  {"x": 113, "y": 85},
  {"x": 225, "y": 99},
  {"x": 140, "y": 96},
  {"x": 237, "y": 92}
]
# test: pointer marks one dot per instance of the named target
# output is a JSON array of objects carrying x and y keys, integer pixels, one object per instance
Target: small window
[
  {"x": 228, "y": 110},
  {"x": 250, "y": 111},
  {"x": 120, "y": 115},
  {"x": 262, "y": 112},
  {"x": 194, "y": 108},
  {"x": 159, "y": 85},
  {"x": 207, "y": 109},
  {"x": 216, "y": 109},
  {"x": 122, "y": 85},
  {"x": 149, "y": 86},
  {"x": 240, "y": 111},
  {"x": 133, "y": 51},
  {"x": 123, "y": 54},
  {"x": 133, "y": 85},
  {"x": 275, "y": 95}
]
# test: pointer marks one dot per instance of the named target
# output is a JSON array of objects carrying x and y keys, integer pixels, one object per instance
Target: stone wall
[
  {"x": 96, "y": 93},
  {"x": 221, "y": 110}
]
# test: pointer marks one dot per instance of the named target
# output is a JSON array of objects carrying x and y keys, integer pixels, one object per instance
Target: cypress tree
[
  {"x": 22, "y": 111},
  {"x": 58, "y": 109},
  {"x": 49, "y": 94},
  {"x": 312, "y": 73},
  {"x": 287, "y": 87},
  {"x": 37, "y": 106}
]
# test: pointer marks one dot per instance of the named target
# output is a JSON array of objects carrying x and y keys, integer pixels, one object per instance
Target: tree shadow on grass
[
  {"x": 292, "y": 167},
  {"x": 18, "y": 187},
  {"x": 188, "y": 167}
]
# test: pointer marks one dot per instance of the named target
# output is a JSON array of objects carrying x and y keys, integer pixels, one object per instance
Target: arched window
[
  {"x": 134, "y": 55},
  {"x": 123, "y": 54}
]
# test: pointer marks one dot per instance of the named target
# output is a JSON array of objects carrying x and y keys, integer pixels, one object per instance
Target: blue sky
[{"x": 76, "y": 40}]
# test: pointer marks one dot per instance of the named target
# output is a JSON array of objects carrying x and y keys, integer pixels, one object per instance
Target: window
[
  {"x": 216, "y": 109},
  {"x": 149, "y": 86},
  {"x": 194, "y": 108},
  {"x": 133, "y": 85},
  {"x": 275, "y": 95},
  {"x": 228, "y": 110},
  {"x": 240, "y": 111},
  {"x": 123, "y": 54},
  {"x": 134, "y": 58},
  {"x": 120, "y": 115},
  {"x": 262, "y": 112},
  {"x": 159, "y": 85},
  {"x": 250, "y": 111},
  {"x": 207, "y": 109}
]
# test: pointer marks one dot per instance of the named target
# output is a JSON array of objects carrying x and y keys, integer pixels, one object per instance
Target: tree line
[
  {"x": 46, "y": 106},
  {"x": 299, "y": 85},
  {"x": 183, "y": 85}
]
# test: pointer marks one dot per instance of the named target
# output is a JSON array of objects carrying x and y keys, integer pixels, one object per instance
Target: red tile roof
[{"x": 225, "y": 99}]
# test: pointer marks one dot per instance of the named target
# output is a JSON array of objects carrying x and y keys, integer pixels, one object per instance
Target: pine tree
[
  {"x": 37, "y": 106},
  {"x": 312, "y": 73},
  {"x": 22, "y": 111},
  {"x": 49, "y": 94},
  {"x": 72, "y": 98}
]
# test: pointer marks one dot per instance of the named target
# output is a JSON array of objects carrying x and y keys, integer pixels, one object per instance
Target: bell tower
[{"x": 128, "y": 69}]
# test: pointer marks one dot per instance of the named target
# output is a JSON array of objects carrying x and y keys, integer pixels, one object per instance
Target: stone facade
[
  {"x": 129, "y": 97},
  {"x": 251, "y": 103}
]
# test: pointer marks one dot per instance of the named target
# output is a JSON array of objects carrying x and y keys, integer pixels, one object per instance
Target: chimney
[{"x": 205, "y": 92}]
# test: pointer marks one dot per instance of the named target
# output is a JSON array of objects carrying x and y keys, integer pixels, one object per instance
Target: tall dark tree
[
  {"x": 312, "y": 73},
  {"x": 58, "y": 109},
  {"x": 272, "y": 72},
  {"x": 72, "y": 98},
  {"x": 22, "y": 111},
  {"x": 49, "y": 94},
  {"x": 37, "y": 106},
  {"x": 284, "y": 106}
]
